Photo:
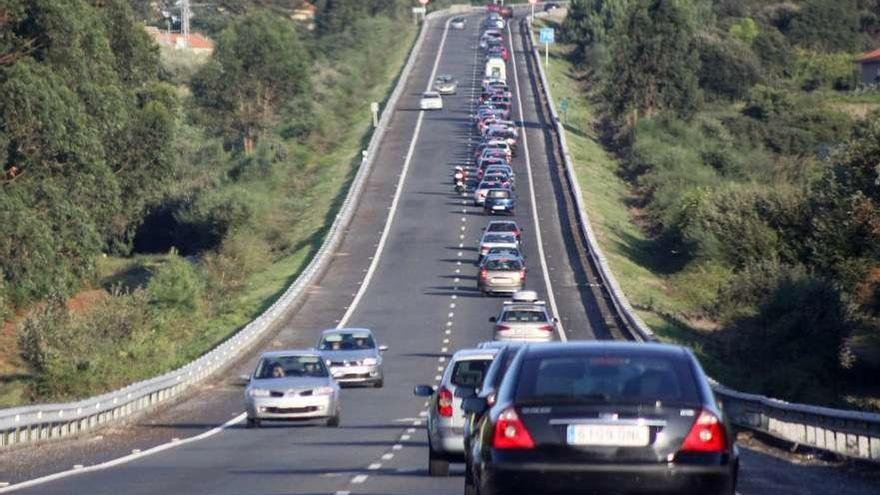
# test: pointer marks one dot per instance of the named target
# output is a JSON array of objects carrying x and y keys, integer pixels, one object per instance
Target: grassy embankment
[{"x": 292, "y": 205}]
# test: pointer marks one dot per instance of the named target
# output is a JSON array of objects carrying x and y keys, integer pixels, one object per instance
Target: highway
[{"x": 418, "y": 294}]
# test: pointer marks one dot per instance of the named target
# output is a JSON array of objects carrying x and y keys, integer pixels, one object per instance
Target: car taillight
[
  {"x": 484, "y": 273},
  {"x": 706, "y": 435},
  {"x": 444, "y": 402},
  {"x": 511, "y": 433},
  {"x": 546, "y": 328}
]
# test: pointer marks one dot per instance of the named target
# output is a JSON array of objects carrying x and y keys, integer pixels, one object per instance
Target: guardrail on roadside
[
  {"x": 851, "y": 434},
  {"x": 30, "y": 424}
]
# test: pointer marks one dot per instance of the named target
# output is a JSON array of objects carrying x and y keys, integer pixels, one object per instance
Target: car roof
[
  {"x": 572, "y": 348},
  {"x": 341, "y": 330},
  {"x": 473, "y": 354},
  {"x": 290, "y": 352}
]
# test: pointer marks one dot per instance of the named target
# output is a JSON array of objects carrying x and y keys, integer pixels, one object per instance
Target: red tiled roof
[{"x": 870, "y": 56}]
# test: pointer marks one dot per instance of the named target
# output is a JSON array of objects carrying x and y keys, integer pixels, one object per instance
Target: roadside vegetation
[
  {"x": 728, "y": 153},
  {"x": 182, "y": 192}
]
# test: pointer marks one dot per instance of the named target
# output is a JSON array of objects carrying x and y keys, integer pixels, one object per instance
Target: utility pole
[{"x": 184, "y": 21}]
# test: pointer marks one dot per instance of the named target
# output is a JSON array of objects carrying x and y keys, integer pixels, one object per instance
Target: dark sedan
[{"x": 601, "y": 417}]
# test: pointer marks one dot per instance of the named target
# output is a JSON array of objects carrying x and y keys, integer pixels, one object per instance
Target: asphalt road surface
[{"x": 419, "y": 297}]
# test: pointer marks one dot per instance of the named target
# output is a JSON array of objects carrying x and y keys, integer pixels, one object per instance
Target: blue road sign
[{"x": 548, "y": 35}]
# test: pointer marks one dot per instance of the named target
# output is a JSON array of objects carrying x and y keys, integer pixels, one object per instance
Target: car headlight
[
  {"x": 327, "y": 362},
  {"x": 370, "y": 361},
  {"x": 323, "y": 391},
  {"x": 258, "y": 392}
]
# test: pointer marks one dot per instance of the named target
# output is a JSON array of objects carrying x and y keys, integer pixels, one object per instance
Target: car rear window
[
  {"x": 513, "y": 253},
  {"x": 470, "y": 373},
  {"x": 524, "y": 316},
  {"x": 502, "y": 227},
  {"x": 499, "y": 238},
  {"x": 606, "y": 378},
  {"x": 504, "y": 264}
]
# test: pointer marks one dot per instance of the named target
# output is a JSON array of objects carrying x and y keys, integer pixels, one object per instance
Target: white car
[{"x": 431, "y": 100}]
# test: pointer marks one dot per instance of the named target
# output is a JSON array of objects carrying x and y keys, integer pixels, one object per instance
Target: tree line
[{"x": 730, "y": 120}]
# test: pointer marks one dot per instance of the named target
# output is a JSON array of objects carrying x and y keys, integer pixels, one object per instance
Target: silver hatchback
[
  {"x": 352, "y": 356},
  {"x": 289, "y": 386},
  {"x": 501, "y": 274},
  {"x": 524, "y": 322},
  {"x": 466, "y": 369}
]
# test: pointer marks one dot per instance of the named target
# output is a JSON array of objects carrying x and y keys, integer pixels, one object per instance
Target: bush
[
  {"x": 774, "y": 51},
  {"x": 205, "y": 222},
  {"x": 787, "y": 328},
  {"x": 814, "y": 71},
  {"x": 176, "y": 285},
  {"x": 727, "y": 67}
]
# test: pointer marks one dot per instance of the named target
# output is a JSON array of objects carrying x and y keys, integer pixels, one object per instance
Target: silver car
[
  {"x": 352, "y": 356},
  {"x": 445, "y": 84},
  {"x": 445, "y": 417},
  {"x": 458, "y": 23},
  {"x": 501, "y": 274},
  {"x": 289, "y": 386},
  {"x": 491, "y": 240},
  {"x": 525, "y": 321}
]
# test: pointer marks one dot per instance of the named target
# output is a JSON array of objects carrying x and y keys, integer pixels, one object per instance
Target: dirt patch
[{"x": 84, "y": 300}]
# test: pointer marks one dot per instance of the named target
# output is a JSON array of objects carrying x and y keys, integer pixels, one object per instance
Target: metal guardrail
[
  {"x": 850, "y": 434},
  {"x": 30, "y": 424}
]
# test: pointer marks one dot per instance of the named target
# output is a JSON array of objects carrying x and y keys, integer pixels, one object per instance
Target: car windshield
[
  {"x": 504, "y": 264},
  {"x": 499, "y": 194},
  {"x": 290, "y": 366},
  {"x": 347, "y": 341},
  {"x": 444, "y": 79},
  {"x": 513, "y": 253},
  {"x": 524, "y": 316},
  {"x": 605, "y": 378},
  {"x": 499, "y": 238},
  {"x": 470, "y": 373}
]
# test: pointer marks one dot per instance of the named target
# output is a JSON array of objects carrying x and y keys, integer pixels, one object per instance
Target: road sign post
[
  {"x": 547, "y": 36},
  {"x": 532, "y": 4}
]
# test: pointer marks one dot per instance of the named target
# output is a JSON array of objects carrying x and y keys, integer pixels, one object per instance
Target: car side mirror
[
  {"x": 245, "y": 378},
  {"x": 555, "y": 320},
  {"x": 423, "y": 391},
  {"x": 465, "y": 392},
  {"x": 474, "y": 405},
  {"x": 493, "y": 319},
  {"x": 383, "y": 348}
]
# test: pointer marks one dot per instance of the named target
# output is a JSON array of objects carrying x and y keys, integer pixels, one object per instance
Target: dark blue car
[{"x": 499, "y": 201}]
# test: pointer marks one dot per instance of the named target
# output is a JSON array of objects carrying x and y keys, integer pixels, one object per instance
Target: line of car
[{"x": 528, "y": 415}]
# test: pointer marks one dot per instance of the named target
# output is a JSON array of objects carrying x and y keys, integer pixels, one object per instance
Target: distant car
[
  {"x": 550, "y": 6},
  {"x": 491, "y": 240},
  {"x": 525, "y": 321},
  {"x": 291, "y": 386},
  {"x": 431, "y": 100},
  {"x": 499, "y": 201},
  {"x": 445, "y": 84},
  {"x": 353, "y": 356},
  {"x": 445, "y": 417},
  {"x": 615, "y": 417},
  {"x": 506, "y": 226},
  {"x": 501, "y": 274},
  {"x": 458, "y": 23}
]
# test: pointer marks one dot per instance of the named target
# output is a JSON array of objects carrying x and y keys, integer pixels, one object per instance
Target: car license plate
[
  {"x": 497, "y": 207},
  {"x": 608, "y": 435}
]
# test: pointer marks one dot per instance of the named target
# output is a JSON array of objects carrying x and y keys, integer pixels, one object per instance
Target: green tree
[
  {"x": 259, "y": 64},
  {"x": 658, "y": 61},
  {"x": 828, "y": 25},
  {"x": 589, "y": 22},
  {"x": 745, "y": 30}
]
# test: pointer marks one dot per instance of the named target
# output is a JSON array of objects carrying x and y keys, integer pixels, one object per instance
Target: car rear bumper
[
  {"x": 513, "y": 478},
  {"x": 499, "y": 288},
  {"x": 531, "y": 337},
  {"x": 448, "y": 441}
]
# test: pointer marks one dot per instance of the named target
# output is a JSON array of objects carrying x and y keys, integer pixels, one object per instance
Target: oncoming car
[
  {"x": 290, "y": 386},
  {"x": 431, "y": 100},
  {"x": 352, "y": 356},
  {"x": 445, "y": 84}
]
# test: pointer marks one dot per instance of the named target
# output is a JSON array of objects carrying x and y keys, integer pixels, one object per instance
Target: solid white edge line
[
  {"x": 392, "y": 213},
  {"x": 550, "y": 296},
  {"x": 124, "y": 459}
]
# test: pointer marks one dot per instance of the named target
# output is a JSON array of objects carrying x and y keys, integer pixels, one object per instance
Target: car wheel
[
  {"x": 379, "y": 383},
  {"x": 469, "y": 487},
  {"x": 253, "y": 423},
  {"x": 437, "y": 466},
  {"x": 333, "y": 421}
]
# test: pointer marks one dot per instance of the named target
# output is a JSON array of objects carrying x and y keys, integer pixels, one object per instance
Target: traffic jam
[{"x": 528, "y": 411}]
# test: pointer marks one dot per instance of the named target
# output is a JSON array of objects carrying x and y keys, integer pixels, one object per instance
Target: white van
[{"x": 496, "y": 69}]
